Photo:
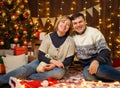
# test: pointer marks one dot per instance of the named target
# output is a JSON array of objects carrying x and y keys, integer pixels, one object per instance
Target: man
[{"x": 92, "y": 51}]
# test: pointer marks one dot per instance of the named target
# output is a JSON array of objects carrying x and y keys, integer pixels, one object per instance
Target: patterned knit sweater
[{"x": 91, "y": 45}]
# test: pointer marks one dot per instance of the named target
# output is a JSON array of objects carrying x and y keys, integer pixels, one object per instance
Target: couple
[{"x": 58, "y": 49}]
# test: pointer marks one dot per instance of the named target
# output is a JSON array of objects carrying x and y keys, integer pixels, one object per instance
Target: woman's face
[
  {"x": 63, "y": 26},
  {"x": 79, "y": 24}
]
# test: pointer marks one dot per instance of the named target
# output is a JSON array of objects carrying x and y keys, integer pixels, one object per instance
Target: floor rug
[{"x": 73, "y": 79}]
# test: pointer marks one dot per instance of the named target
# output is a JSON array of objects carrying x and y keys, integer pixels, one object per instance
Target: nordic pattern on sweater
[{"x": 90, "y": 43}]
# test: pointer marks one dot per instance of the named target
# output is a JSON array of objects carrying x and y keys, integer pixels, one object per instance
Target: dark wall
[
  {"x": 55, "y": 6},
  {"x": 33, "y": 5},
  {"x": 110, "y": 9}
]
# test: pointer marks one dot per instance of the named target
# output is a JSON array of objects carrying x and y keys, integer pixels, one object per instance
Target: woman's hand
[
  {"x": 49, "y": 66},
  {"x": 57, "y": 63},
  {"x": 93, "y": 67}
]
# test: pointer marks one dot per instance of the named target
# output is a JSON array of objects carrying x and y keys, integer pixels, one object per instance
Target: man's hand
[{"x": 93, "y": 67}]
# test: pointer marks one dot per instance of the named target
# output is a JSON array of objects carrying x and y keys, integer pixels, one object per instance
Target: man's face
[{"x": 79, "y": 24}]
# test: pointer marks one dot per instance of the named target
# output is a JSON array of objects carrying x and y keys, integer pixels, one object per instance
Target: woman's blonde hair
[{"x": 59, "y": 20}]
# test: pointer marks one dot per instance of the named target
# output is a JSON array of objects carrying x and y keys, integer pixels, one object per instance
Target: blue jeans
[
  {"x": 104, "y": 73},
  {"x": 28, "y": 71}
]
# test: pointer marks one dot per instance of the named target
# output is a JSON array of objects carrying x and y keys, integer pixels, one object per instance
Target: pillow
[
  {"x": 12, "y": 62},
  {"x": 116, "y": 63},
  {"x": 26, "y": 56}
]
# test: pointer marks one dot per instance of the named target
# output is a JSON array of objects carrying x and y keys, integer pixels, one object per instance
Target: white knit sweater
[{"x": 89, "y": 43}]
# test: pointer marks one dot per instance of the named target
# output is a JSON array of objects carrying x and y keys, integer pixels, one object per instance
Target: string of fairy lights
[
  {"x": 85, "y": 8},
  {"x": 73, "y": 6},
  {"x": 61, "y": 8},
  {"x": 110, "y": 24},
  {"x": 47, "y": 5},
  {"x": 44, "y": 7},
  {"x": 99, "y": 14},
  {"x": 117, "y": 51}
]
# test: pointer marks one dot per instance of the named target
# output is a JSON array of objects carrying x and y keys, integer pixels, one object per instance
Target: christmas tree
[{"x": 16, "y": 25}]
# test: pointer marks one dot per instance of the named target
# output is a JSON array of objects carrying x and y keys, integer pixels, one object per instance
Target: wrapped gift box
[
  {"x": 2, "y": 68},
  {"x": 20, "y": 50}
]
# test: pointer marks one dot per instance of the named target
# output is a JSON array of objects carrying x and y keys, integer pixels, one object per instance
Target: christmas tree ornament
[
  {"x": 21, "y": 5},
  {"x": 30, "y": 20},
  {"x": 6, "y": 33},
  {"x": 6, "y": 19},
  {"x": 18, "y": 1},
  {"x": 3, "y": 14},
  {"x": 16, "y": 40},
  {"x": 25, "y": 42},
  {"x": 31, "y": 23},
  {"x": 3, "y": 25},
  {"x": 1, "y": 4},
  {"x": 17, "y": 35},
  {"x": 28, "y": 12},
  {"x": 34, "y": 35},
  {"x": 16, "y": 26},
  {"x": 24, "y": 32},
  {"x": 24, "y": 29},
  {"x": 1, "y": 42},
  {"x": 13, "y": 17},
  {"x": 9, "y": 2},
  {"x": 18, "y": 11},
  {"x": 26, "y": 1},
  {"x": 25, "y": 16}
]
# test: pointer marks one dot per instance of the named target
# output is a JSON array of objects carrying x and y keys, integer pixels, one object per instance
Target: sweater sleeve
[
  {"x": 104, "y": 56},
  {"x": 41, "y": 57},
  {"x": 68, "y": 60},
  {"x": 102, "y": 48},
  {"x": 71, "y": 49},
  {"x": 43, "y": 50},
  {"x": 70, "y": 53}
]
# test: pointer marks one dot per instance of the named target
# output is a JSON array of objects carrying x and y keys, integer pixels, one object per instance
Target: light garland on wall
[
  {"x": 47, "y": 8},
  {"x": 73, "y": 6},
  {"x": 61, "y": 8},
  {"x": 117, "y": 39},
  {"x": 39, "y": 10},
  {"x": 99, "y": 14},
  {"x": 109, "y": 26},
  {"x": 85, "y": 8},
  {"x": 44, "y": 7}
]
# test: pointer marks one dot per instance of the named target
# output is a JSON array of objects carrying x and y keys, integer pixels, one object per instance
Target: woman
[{"x": 57, "y": 50}]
